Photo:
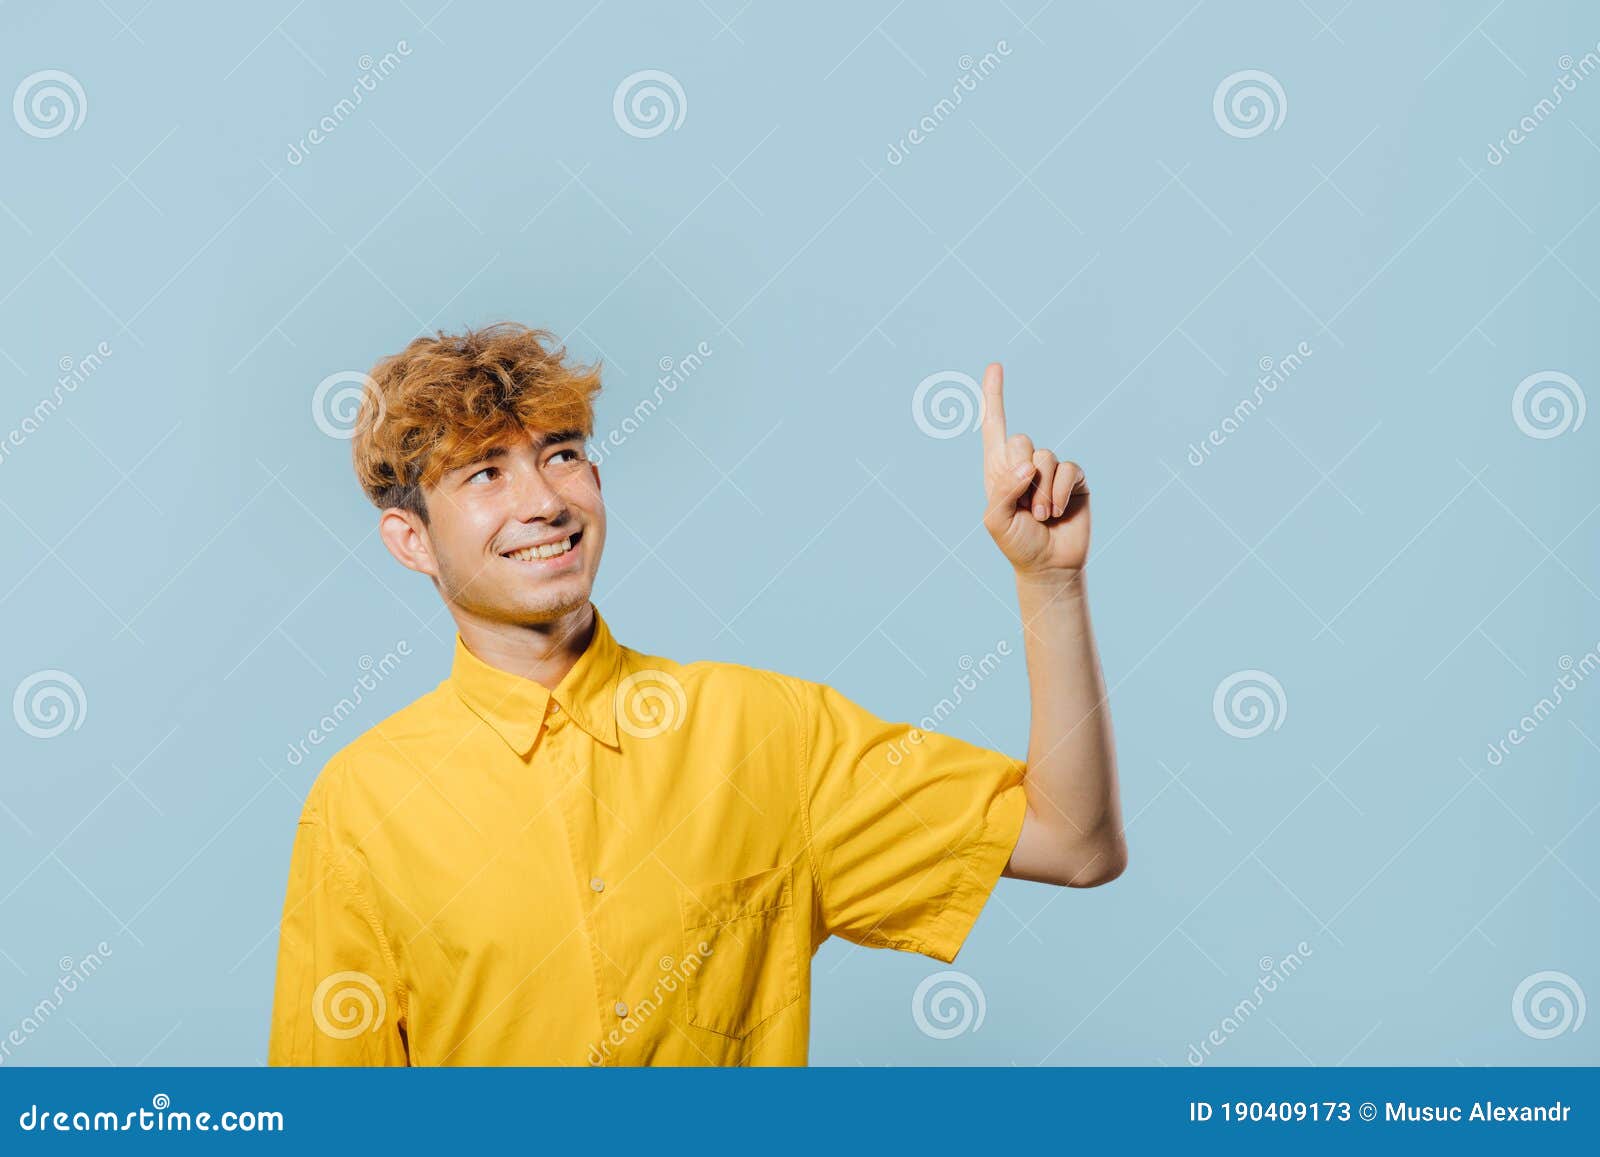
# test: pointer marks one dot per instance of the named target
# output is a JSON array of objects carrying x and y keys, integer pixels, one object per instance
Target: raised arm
[{"x": 1038, "y": 515}]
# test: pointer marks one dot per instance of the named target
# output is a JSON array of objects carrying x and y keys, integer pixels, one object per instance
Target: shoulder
[
  {"x": 711, "y": 684},
  {"x": 367, "y": 774}
]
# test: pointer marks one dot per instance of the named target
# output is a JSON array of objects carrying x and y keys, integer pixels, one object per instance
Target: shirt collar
[{"x": 515, "y": 706}]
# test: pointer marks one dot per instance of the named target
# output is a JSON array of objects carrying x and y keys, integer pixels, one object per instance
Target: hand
[{"x": 1038, "y": 509}]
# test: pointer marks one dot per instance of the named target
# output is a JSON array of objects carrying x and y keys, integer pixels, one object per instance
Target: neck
[{"x": 543, "y": 652}]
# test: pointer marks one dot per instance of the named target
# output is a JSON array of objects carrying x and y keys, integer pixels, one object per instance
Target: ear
[{"x": 407, "y": 539}]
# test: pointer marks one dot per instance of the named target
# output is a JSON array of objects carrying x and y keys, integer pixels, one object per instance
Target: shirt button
[
  {"x": 597, "y": 884},
  {"x": 555, "y": 708},
  {"x": 620, "y": 1008}
]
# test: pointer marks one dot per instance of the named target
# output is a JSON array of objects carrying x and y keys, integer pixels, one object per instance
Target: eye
[
  {"x": 565, "y": 456},
  {"x": 488, "y": 473}
]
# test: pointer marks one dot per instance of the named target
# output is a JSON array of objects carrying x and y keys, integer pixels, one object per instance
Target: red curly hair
[{"x": 443, "y": 400}]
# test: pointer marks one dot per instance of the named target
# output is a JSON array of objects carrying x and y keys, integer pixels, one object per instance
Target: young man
[{"x": 570, "y": 852}]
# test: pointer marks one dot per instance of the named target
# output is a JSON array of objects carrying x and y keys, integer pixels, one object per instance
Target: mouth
[{"x": 547, "y": 554}]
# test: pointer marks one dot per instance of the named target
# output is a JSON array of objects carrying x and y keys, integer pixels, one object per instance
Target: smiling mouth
[{"x": 546, "y": 552}]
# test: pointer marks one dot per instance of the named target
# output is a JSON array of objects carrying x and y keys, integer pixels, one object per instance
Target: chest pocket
[{"x": 741, "y": 934}]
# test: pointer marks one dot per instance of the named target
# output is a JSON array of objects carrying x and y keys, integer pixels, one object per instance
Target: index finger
[{"x": 994, "y": 414}]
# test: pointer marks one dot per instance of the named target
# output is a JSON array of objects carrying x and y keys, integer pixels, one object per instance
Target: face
[{"x": 513, "y": 537}]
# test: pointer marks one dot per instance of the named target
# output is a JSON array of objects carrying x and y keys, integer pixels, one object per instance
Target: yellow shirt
[{"x": 634, "y": 868}]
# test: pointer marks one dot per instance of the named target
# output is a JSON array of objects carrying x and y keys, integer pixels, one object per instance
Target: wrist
[{"x": 1050, "y": 581}]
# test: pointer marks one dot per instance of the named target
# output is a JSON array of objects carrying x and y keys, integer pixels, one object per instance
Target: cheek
[
  {"x": 464, "y": 536},
  {"x": 595, "y": 517},
  {"x": 584, "y": 497},
  {"x": 581, "y": 490}
]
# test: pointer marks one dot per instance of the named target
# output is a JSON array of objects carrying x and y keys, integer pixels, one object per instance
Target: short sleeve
[
  {"x": 336, "y": 1001},
  {"x": 909, "y": 829}
]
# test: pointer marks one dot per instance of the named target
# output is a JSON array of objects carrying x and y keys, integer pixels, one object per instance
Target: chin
[
  {"x": 525, "y": 603},
  {"x": 543, "y": 606}
]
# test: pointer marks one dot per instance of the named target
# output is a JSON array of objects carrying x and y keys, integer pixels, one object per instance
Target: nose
[{"x": 537, "y": 499}]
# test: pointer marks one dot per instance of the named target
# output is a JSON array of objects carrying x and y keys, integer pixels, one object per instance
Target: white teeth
[{"x": 550, "y": 550}]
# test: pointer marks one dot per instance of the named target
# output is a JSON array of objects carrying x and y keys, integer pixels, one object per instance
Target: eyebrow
[
  {"x": 541, "y": 443},
  {"x": 557, "y": 438}
]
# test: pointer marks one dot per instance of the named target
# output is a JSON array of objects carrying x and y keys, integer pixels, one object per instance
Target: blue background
[{"x": 1381, "y": 536}]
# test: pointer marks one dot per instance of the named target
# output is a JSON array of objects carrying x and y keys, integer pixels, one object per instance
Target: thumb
[{"x": 1008, "y": 487}]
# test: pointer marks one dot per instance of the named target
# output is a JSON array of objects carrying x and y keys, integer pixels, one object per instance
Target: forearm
[{"x": 1075, "y": 834}]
